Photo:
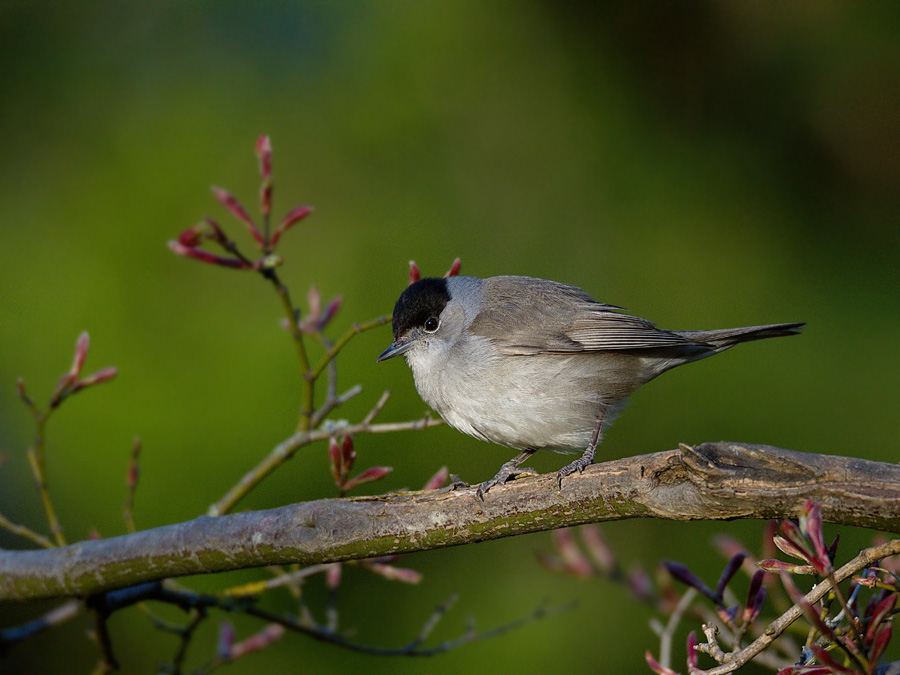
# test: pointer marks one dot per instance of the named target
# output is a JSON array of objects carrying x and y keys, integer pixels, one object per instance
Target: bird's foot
[
  {"x": 578, "y": 465},
  {"x": 507, "y": 471}
]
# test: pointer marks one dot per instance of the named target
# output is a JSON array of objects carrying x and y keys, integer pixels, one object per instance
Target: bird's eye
[{"x": 431, "y": 324}]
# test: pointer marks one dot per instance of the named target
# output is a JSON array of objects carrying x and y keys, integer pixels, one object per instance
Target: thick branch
[{"x": 713, "y": 481}]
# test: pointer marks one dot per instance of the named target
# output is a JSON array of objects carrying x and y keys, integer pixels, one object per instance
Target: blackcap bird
[{"x": 532, "y": 364}]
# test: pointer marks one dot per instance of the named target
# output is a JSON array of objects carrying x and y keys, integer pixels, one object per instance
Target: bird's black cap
[{"x": 421, "y": 300}]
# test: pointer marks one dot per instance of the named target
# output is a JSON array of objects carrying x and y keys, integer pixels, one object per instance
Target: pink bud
[
  {"x": 314, "y": 298},
  {"x": 333, "y": 576},
  {"x": 414, "y": 274},
  {"x": 655, "y": 667},
  {"x": 104, "y": 375},
  {"x": 291, "y": 219},
  {"x": 788, "y": 547},
  {"x": 454, "y": 268},
  {"x": 206, "y": 256},
  {"x": 880, "y": 643},
  {"x": 330, "y": 311},
  {"x": 214, "y": 231},
  {"x": 811, "y": 525},
  {"x": 827, "y": 661},
  {"x": 190, "y": 237},
  {"x": 392, "y": 573},
  {"x": 882, "y": 609},
  {"x": 598, "y": 549},
  {"x": 264, "y": 152},
  {"x": 257, "y": 641},
  {"x": 437, "y": 480},
  {"x": 348, "y": 454},
  {"x": 229, "y": 201},
  {"x": 367, "y": 476},
  {"x": 692, "y": 654},
  {"x": 81, "y": 349},
  {"x": 576, "y": 563},
  {"x": 334, "y": 459}
]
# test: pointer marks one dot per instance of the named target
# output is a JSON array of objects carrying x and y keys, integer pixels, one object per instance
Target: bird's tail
[{"x": 728, "y": 337}]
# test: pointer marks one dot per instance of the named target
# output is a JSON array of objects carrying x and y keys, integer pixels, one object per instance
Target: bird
[{"x": 533, "y": 364}]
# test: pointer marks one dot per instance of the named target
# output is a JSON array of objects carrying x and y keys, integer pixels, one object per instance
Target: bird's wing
[{"x": 532, "y": 322}]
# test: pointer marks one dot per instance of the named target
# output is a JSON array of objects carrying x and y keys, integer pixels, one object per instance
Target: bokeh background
[{"x": 704, "y": 164}]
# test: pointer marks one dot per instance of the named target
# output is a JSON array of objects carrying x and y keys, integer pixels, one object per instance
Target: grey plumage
[{"x": 532, "y": 364}]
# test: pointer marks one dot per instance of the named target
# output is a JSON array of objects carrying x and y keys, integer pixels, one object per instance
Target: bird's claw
[
  {"x": 578, "y": 465},
  {"x": 506, "y": 472}
]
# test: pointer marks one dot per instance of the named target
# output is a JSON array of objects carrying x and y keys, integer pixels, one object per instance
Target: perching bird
[{"x": 533, "y": 364}]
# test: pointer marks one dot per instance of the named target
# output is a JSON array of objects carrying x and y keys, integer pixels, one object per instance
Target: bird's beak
[{"x": 395, "y": 349}]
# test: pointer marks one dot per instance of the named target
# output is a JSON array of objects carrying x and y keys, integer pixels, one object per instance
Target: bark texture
[{"x": 712, "y": 481}]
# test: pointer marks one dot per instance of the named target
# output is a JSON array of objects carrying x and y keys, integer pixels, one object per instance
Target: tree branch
[{"x": 713, "y": 481}]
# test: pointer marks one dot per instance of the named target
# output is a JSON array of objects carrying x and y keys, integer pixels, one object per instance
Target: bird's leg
[
  {"x": 507, "y": 471},
  {"x": 587, "y": 458}
]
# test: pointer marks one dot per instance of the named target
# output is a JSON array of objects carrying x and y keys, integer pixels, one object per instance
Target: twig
[
  {"x": 355, "y": 330},
  {"x": 36, "y": 461},
  {"x": 54, "y": 617},
  {"x": 190, "y": 601},
  {"x": 132, "y": 483},
  {"x": 667, "y": 633},
  {"x": 287, "y": 448},
  {"x": 735, "y": 660},
  {"x": 99, "y": 615},
  {"x": 24, "y": 531}
]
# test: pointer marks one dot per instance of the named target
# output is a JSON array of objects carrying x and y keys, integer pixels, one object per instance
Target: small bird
[{"x": 532, "y": 364}]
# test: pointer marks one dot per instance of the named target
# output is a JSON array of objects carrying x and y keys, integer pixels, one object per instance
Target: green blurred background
[{"x": 704, "y": 164}]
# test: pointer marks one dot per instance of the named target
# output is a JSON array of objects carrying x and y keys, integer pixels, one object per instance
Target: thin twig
[
  {"x": 735, "y": 660},
  {"x": 27, "y": 532},
  {"x": 132, "y": 483},
  {"x": 287, "y": 448},
  {"x": 355, "y": 330},
  {"x": 54, "y": 617},
  {"x": 666, "y": 635},
  {"x": 194, "y": 601}
]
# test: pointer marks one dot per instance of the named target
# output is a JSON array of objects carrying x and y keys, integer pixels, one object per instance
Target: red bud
[
  {"x": 206, "y": 256},
  {"x": 229, "y": 201},
  {"x": 190, "y": 237},
  {"x": 99, "y": 377},
  {"x": 291, "y": 219},
  {"x": 264, "y": 152},
  {"x": 437, "y": 480},
  {"x": 655, "y": 667},
  {"x": 692, "y": 654},
  {"x": 367, "y": 476},
  {"x": 414, "y": 274},
  {"x": 334, "y": 459},
  {"x": 454, "y": 268},
  {"x": 81, "y": 349}
]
